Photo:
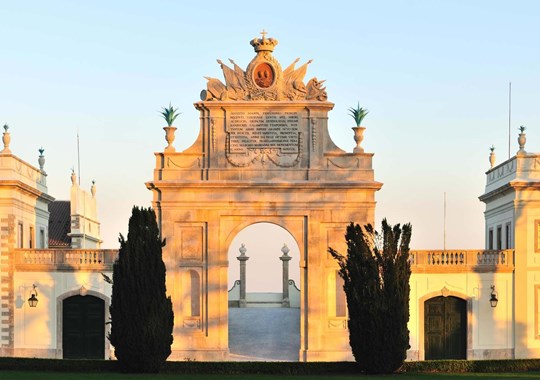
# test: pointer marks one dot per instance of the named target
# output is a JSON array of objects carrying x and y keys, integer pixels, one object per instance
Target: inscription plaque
[{"x": 250, "y": 130}]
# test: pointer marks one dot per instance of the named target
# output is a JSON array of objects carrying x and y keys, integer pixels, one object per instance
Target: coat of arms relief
[{"x": 264, "y": 79}]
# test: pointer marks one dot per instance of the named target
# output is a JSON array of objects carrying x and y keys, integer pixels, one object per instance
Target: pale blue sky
[{"x": 433, "y": 74}]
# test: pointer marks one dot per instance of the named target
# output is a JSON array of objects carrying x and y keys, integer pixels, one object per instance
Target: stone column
[
  {"x": 285, "y": 259},
  {"x": 242, "y": 258}
]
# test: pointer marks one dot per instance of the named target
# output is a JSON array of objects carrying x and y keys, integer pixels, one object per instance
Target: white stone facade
[
  {"x": 513, "y": 220},
  {"x": 28, "y": 267}
]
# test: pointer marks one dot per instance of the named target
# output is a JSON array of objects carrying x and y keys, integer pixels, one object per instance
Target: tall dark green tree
[
  {"x": 376, "y": 273},
  {"x": 141, "y": 313}
]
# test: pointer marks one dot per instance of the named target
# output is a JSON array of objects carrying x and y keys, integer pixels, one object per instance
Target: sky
[{"x": 434, "y": 76}]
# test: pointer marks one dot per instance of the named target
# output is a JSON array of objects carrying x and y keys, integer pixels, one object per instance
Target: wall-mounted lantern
[
  {"x": 493, "y": 300},
  {"x": 32, "y": 301}
]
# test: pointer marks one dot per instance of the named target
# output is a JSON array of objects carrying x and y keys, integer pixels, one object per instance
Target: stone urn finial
[
  {"x": 169, "y": 137},
  {"x": 243, "y": 251},
  {"x": 6, "y": 139},
  {"x": 169, "y": 114},
  {"x": 358, "y": 114},
  {"x": 41, "y": 159},
  {"x": 492, "y": 156},
  {"x": 73, "y": 177},
  {"x": 285, "y": 250},
  {"x": 522, "y": 139}
]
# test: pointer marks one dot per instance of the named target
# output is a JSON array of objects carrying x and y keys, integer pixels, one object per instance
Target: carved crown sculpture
[
  {"x": 264, "y": 44},
  {"x": 264, "y": 79}
]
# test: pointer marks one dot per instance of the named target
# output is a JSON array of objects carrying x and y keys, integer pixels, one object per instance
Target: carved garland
[
  {"x": 313, "y": 133},
  {"x": 213, "y": 124}
]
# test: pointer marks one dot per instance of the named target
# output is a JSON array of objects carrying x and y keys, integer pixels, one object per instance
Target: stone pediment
[{"x": 264, "y": 79}]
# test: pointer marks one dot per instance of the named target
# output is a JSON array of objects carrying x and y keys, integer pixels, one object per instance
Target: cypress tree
[
  {"x": 376, "y": 273},
  {"x": 141, "y": 313}
]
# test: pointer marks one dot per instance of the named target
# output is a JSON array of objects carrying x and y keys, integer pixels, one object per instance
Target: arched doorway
[
  {"x": 445, "y": 324},
  {"x": 83, "y": 327},
  {"x": 270, "y": 311}
]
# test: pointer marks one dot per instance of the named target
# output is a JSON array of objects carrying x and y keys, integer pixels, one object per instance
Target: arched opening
[
  {"x": 83, "y": 327},
  {"x": 264, "y": 295},
  {"x": 445, "y": 324}
]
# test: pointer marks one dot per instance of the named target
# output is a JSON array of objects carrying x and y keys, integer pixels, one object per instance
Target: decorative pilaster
[
  {"x": 285, "y": 258},
  {"x": 242, "y": 258}
]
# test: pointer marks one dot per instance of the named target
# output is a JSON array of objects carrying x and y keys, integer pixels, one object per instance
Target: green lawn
[{"x": 29, "y": 375}]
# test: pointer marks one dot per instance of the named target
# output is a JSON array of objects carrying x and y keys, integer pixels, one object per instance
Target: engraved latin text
[{"x": 263, "y": 130}]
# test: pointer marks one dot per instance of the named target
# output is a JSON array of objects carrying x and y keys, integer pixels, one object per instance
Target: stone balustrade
[
  {"x": 462, "y": 261},
  {"x": 65, "y": 259}
]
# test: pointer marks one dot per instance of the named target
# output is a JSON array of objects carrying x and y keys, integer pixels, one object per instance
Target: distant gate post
[
  {"x": 242, "y": 258},
  {"x": 285, "y": 259}
]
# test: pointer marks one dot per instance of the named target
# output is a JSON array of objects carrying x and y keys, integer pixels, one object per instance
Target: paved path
[{"x": 264, "y": 334}]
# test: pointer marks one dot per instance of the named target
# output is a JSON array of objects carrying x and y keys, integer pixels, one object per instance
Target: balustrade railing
[
  {"x": 421, "y": 261},
  {"x": 462, "y": 261},
  {"x": 65, "y": 259}
]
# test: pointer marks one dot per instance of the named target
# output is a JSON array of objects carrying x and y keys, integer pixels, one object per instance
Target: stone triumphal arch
[{"x": 263, "y": 155}]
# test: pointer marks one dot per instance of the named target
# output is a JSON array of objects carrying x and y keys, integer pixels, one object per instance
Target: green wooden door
[
  {"x": 83, "y": 328},
  {"x": 445, "y": 328}
]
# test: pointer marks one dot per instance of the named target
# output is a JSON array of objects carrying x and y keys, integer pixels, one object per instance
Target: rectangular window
[
  {"x": 20, "y": 236},
  {"x": 31, "y": 240},
  {"x": 42, "y": 238},
  {"x": 508, "y": 236},
  {"x": 490, "y": 239},
  {"x": 499, "y": 237}
]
